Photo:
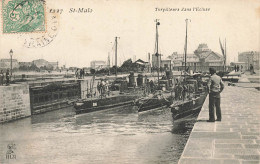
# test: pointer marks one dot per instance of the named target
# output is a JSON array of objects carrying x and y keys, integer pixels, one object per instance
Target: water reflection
[{"x": 113, "y": 136}]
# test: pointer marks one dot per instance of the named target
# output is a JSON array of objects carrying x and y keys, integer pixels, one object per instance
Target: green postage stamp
[{"x": 23, "y": 16}]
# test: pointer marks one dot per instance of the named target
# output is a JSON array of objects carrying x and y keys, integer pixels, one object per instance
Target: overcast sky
[{"x": 83, "y": 37}]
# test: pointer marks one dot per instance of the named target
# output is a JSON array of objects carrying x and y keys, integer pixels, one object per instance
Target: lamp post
[
  {"x": 11, "y": 56},
  {"x": 157, "y": 53}
]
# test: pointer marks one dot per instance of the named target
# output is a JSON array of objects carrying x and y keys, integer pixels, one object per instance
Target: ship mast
[
  {"x": 225, "y": 60},
  {"x": 157, "y": 46},
  {"x": 116, "y": 56},
  {"x": 185, "y": 55},
  {"x": 108, "y": 63}
]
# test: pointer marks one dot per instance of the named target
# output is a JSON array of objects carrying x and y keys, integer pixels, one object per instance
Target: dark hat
[{"x": 212, "y": 71}]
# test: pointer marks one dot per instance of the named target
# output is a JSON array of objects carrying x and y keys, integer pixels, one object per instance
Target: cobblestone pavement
[{"x": 234, "y": 140}]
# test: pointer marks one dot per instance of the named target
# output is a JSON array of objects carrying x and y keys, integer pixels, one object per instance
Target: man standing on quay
[{"x": 215, "y": 87}]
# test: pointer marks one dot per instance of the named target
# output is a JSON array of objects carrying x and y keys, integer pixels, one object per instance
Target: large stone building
[
  {"x": 201, "y": 59},
  {"x": 207, "y": 57},
  {"x": 98, "y": 64},
  {"x": 44, "y": 63},
  {"x": 249, "y": 57},
  {"x": 6, "y": 63}
]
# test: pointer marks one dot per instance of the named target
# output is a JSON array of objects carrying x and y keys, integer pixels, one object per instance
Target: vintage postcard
[{"x": 129, "y": 81}]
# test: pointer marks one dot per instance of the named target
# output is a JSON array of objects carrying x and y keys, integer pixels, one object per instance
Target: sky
[{"x": 84, "y": 37}]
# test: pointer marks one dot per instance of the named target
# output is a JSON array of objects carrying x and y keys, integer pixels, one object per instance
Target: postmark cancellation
[{"x": 20, "y": 16}]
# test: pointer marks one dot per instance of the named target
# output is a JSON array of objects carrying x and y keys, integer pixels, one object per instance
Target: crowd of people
[
  {"x": 4, "y": 77},
  {"x": 79, "y": 74},
  {"x": 237, "y": 68}
]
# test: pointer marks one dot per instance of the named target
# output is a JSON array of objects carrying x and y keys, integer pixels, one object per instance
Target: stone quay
[{"x": 234, "y": 140}]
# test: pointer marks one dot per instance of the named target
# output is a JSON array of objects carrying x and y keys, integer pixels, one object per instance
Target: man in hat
[{"x": 215, "y": 87}]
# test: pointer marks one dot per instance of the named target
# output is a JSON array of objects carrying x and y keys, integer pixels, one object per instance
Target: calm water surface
[{"x": 112, "y": 136}]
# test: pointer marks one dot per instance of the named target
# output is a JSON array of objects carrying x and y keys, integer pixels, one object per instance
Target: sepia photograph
[{"x": 130, "y": 81}]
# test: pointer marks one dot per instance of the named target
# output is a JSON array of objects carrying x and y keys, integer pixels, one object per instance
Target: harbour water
[{"x": 112, "y": 136}]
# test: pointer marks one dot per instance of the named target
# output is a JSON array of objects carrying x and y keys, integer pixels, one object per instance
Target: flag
[{"x": 222, "y": 49}]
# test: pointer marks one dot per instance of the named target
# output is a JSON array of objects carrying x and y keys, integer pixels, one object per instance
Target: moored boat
[
  {"x": 108, "y": 95},
  {"x": 188, "y": 107},
  {"x": 158, "y": 100},
  {"x": 193, "y": 102},
  {"x": 97, "y": 104},
  {"x": 184, "y": 96}
]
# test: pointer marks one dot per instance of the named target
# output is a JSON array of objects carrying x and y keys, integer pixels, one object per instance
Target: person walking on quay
[
  {"x": 235, "y": 68},
  {"x": 99, "y": 88},
  {"x": 251, "y": 69},
  {"x": 7, "y": 77},
  {"x": 215, "y": 87},
  {"x": 151, "y": 86},
  {"x": 83, "y": 73},
  {"x": 148, "y": 86},
  {"x": 77, "y": 73},
  {"x": 1, "y": 78},
  {"x": 80, "y": 73},
  {"x": 178, "y": 91},
  {"x": 184, "y": 91}
]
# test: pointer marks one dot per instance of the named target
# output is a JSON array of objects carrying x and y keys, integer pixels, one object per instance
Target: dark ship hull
[
  {"x": 153, "y": 103},
  {"x": 97, "y": 104},
  {"x": 188, "y": 107}
]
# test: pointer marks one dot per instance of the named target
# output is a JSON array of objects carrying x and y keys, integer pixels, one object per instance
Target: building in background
[
  {"x": 249, "y": 57},
  {"x": 207, "y": 57},
  {"x": 178, "y": 60},
  {"x": 6, "y": 63},
  {"x": 200, "y": 60},
  {"x": 141, "y": 65},
  {"x": 45, "y": 64},
  {"x": 25, "y": 64},
  {"x": 98, "y": 64},
  {"x": 155, "y": 60},
  {"x": 242, "y": 65},
  {"x": 166, "y": 64},
  {"x": 55, "y": 65},
  {"x": 40, "y": 63}
]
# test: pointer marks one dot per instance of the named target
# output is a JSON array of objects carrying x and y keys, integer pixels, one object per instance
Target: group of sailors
[
  {"x": 103, "y": 88},
  {"x": 149, "y": 86},
  {"x": 181, "y": 89},
  {"x": 5, "y": 77}
]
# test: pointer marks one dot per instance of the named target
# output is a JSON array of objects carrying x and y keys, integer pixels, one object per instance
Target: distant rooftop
[{"x": 8, "y": 60}]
